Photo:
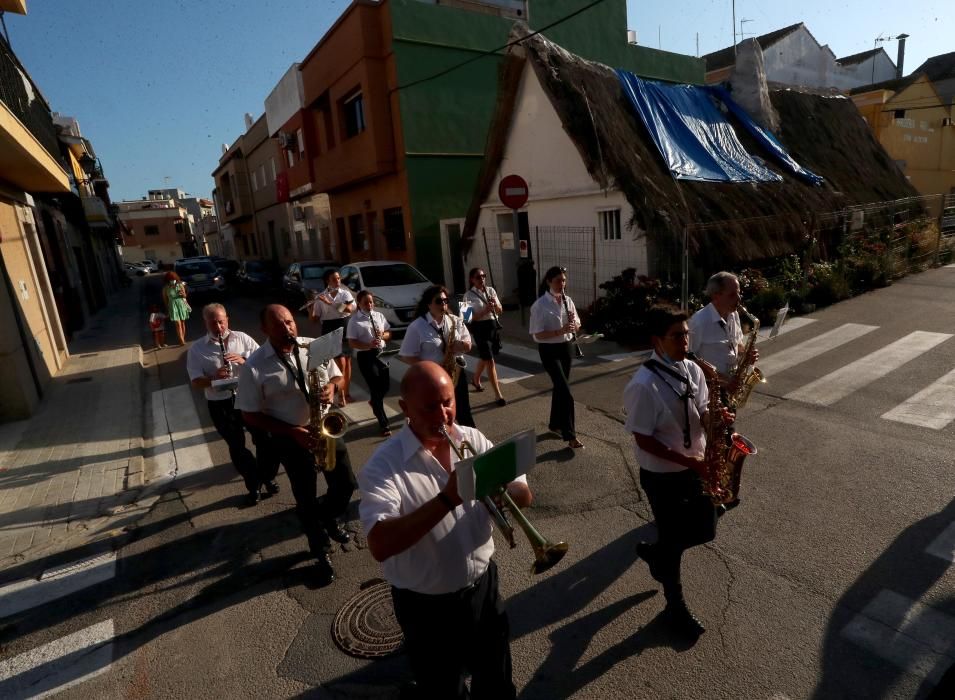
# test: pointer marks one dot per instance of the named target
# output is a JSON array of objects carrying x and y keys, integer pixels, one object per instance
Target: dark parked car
[
  {"x": 257, "y": 276},
  {"x": 228, "y": 268},
  {"x": 303, "y": 278},
  {"x": 201, "y": 277}
]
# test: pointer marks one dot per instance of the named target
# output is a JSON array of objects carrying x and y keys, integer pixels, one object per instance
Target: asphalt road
[{"x": 832, "y": 580}]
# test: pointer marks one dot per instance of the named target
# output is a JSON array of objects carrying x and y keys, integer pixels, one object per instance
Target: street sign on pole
[{"x": 513, "y": 192}]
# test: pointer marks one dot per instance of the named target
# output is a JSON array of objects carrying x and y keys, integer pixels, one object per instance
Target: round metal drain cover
[{"x": 366, "y": 626}]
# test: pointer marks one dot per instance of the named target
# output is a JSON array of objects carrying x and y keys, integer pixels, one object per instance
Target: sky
[{"x": 158, "y": 86}]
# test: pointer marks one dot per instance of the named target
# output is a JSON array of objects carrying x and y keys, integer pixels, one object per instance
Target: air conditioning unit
[{"x": 298, "y": 214}]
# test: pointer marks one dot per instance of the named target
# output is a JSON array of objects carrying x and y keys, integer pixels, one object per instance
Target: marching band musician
[
  {"x": 716, "y": 336},
  {"x": 666, "y": 403},
  {"x": 426, "y": 339},
  {"x": 553, "y": 324},
  {"x": 368, "y": 331},
  {"x": 436, "y": 550},
  {"x": 715, "y": 331},
  {"x": 273, "y": 397},
  {"x": 486, "y": 330},
  {"x": 333, "y": 307},
  {"x": 217, "y": 356}
]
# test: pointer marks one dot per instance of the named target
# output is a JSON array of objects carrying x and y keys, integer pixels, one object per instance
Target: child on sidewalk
[{"x": 157, "y": 324}]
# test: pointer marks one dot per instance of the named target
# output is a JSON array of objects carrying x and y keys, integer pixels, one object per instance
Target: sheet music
[{"x": 325, "y": 348}]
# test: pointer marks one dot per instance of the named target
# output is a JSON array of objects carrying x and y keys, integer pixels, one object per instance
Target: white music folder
[{"x": 324, "y": 348}]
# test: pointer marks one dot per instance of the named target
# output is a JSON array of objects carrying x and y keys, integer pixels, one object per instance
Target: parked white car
[
  {"x": 397, "y": 287},
  {"x": 150, "y": 265}
]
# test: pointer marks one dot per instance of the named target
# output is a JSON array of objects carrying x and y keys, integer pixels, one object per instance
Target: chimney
[
  {"x": 248, "y": 121},
  {"x": 901, "y": 58}
]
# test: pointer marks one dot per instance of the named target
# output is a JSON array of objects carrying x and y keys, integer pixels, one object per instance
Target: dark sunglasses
[
  {"x": 481, "y": 275},
  {"x": 440, "y": 300}
]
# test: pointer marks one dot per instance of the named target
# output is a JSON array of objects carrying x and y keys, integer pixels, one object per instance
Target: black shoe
[
  {"x": 324, "y": 573},
  {"x": 501, "y": 401},
  {"x": 271, "y": 488},
  {"x": 681, "y": 620},
  {"x": 252, "y": 498},
  {"x": 337, "y": 532},
  {"x": 645, "y": 552},
  {"x": 732, "y": 504}
]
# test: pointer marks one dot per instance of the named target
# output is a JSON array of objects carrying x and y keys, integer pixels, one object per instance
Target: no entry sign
[{"x": 512, "y": 191}]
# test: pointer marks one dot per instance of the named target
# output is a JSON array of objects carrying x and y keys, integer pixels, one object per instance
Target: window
[
  {"x": 262, "y": 174},
  {"x": 286, "y": 242},
  {"x": 357, "y": 228},
  {"x": 180, "y": 226},
  {"x": 255, "y": 181},
  {"x": 353, "y": 108},
  {"x": 610, "y": 224},
  {"x": 899, "y": 114},
  {"x": 300, "y": 139},
  {"x": 272, "y": 162},
  {"x": 394, "y": 229},
  {"x": 290, "y": 158},
  {"x": 151, "y": 230}
]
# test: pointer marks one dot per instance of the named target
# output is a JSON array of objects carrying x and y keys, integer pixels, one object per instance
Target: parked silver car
[{"x": 397, "y": 287}]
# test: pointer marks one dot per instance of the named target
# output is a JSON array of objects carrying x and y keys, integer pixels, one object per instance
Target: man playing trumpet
[{"x": 436, "y": 550}]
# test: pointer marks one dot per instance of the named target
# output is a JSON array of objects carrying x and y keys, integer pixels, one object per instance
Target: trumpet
[{"x": 546, "y": 553}]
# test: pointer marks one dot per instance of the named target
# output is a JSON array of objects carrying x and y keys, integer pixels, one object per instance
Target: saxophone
[
  {"x": 746, "y": 376},
  {"x": 725, "y": 450},
  {"x": 325, "y": 424},
  {"x": 452, "y": 363}
]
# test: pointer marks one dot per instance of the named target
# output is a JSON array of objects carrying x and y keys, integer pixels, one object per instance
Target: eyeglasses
[
  {"x": 482, "y": 275},
  {"x": 679, "y": 336},
  {"x": 441, "y": 300}
]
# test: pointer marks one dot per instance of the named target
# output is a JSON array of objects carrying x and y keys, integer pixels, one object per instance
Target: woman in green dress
[{"x": 177, "y": 306}]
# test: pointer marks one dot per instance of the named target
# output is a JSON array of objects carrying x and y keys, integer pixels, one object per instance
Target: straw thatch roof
[{"x": 826, "y": 135}]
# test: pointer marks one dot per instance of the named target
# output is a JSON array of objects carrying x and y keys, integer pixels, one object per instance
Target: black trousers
[
  {"x": 313, "y": 512},
  {"x": 476, "y": 619},
  {"x": 556, "y": 360},
  {"x": 378, "y": 378},
  {"x": 255, "y": 470},
  {"x": 685, "y": 517},
  {"x": 462, "y": 400}
]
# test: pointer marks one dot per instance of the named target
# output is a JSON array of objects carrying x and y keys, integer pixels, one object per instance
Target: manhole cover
[{"x": 366, "y": 626}]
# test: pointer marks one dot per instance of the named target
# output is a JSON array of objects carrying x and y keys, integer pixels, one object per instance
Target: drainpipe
[{"x": 901, "y": 57}]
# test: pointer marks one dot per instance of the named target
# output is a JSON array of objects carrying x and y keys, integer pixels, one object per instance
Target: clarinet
[
  {"x": 374, "y": 330},
  {"x": 225, "y": 363},
  {"x": 577, "y": 351}
]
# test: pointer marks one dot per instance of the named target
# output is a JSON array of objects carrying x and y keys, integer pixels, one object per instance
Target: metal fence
[{"x": 22, "y": 97}]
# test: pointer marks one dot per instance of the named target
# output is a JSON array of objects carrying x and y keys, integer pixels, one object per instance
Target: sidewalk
[{"x": 71, "y": 474}]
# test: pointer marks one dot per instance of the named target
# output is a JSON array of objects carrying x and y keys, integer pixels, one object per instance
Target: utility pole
[{"x": 734, "y": 28}]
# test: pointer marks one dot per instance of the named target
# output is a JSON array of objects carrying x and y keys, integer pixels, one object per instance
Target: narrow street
[{"x": 832, "y": 579}]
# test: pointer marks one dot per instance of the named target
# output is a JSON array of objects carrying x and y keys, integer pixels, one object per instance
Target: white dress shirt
[
  {"x": 476, "y": 298},
  {"x": 423, "y": 339},
  {"x": 339, "y": 296},
  {"x": 715, "y": 340},
  {"x": 360, "y": 327},
  {"x": 205, "y": 358},
  {"x": 401, "y": 477},
  {"x": 267, "y": 386},
  {"x": 654, "y": 409},
  {"x": 548, "y": 314}
]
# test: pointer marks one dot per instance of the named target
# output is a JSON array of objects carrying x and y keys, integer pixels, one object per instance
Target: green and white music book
[{"x": 485, "y": 473}]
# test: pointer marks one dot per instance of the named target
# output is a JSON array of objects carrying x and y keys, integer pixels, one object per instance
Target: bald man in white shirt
[{"x": 436, "y": 550}]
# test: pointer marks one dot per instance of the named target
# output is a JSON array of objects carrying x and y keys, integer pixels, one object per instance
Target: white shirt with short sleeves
[
  {"x": 423, "y": 340},
  {"x": 360, "y": 327},
  {"x": 548, "y": 314},
  {"x": 655, "y": 410},
  {"x": 479, "y": 300},
  {"x": 205, "y": 358},
  {"x": 339, "y": 296},
  {"x": 400, "y": 478},
  {"x": 715, "y": 340},
  {"x": 267, "y": 386}
]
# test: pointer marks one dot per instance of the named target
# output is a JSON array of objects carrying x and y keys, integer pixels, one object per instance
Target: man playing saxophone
[
  {"x": 435, "y": 550},
  {"x": 716, "y": 336},
  {"x": 667, "y": 405},
  {"x": 273, "y": 397}
]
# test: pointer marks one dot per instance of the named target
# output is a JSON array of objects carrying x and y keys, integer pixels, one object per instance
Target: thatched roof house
[{"x": 824, "y": 134}]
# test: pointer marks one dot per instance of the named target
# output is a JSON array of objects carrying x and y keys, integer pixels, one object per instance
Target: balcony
[
  {"x": 29, "y": 150},
  {"x": 97, "y": 215}
]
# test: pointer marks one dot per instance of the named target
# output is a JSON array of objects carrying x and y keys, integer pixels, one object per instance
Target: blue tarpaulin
[{"x": 695, "y": 139}]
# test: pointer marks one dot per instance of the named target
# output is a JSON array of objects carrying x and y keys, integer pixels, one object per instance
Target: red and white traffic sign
[{"x": 513, "y": 191}]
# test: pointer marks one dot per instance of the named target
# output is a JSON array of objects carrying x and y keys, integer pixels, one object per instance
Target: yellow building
[
  {"x": 32, "y": 345},
  {"x": 913, "y": 118}
]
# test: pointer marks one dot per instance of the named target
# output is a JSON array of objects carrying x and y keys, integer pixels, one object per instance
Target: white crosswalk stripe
[
  {"x": 56, "y": 583},
  {"x": 837, "y": 385},
  {"x": 906, "y": 633},
  {"x": 933, "y": 407},
  {"x": 809, "y": 349},
  {"x": 58, "y": 665}
]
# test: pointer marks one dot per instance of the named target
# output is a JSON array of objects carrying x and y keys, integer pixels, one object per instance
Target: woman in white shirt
[
  {"x": 333, "y": 307},
  {"x": 426, "y": 339},
  {"x": 485, "y": 330},
  {"x": 553, "y": 324},
  {"x": 368, "y": 332}
]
